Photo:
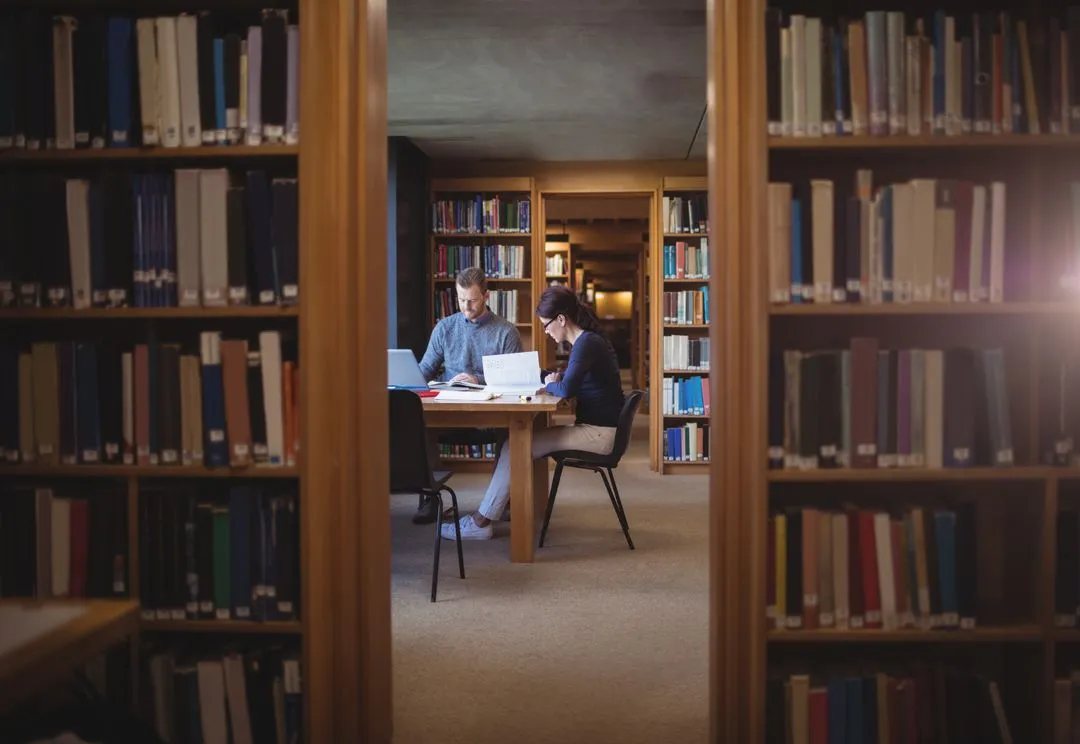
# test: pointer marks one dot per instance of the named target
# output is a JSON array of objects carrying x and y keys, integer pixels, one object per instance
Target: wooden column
[
  {"x": 345, "y": 493},
  {"x": 739, "y": 333}
]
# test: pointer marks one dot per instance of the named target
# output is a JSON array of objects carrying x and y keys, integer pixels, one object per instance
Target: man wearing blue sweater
[{"x": 455, "y": 353}]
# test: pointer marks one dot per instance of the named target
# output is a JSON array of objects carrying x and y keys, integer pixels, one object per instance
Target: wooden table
[
  {"x": 528, "y": 478},
  {"x": 41, "y": 640}
]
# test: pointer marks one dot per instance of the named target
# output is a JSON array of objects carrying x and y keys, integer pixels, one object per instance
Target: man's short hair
[{"x": 472, "y": 277}]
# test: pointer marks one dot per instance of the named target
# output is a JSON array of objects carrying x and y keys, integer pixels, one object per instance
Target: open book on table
[{"x": 440, "y": 385}]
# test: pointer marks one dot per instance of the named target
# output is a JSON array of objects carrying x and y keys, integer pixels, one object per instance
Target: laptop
[{"x": 403, "y": 371}]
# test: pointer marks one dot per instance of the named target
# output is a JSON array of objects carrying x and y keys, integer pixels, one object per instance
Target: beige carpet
[{"x": 592, "y": 643}]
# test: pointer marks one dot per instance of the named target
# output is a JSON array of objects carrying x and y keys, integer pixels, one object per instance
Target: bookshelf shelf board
[
  {"x": 222, "y": 626},
  {"x": 151, "y": 153},
  {"x": 825, "y": 475},
  {"x": 685, "y": 326},
  {"x": 692, "y": 416},
  {"x": 930, "y": 308},
  {"x": 668, "y": 280},
  {"x": 696, "y": 466},
  {"x": 1067, "y": 635},
  {"x": 924, "y": 141},
  {"x": 490, "y": 279},
  {"x": 469, "y": 465},
  {"x": 146, "y": 471},
  {"x": 159, "y": 313},
  {"x": 699, "y": 372},
  {"x": 686, "y": 235},
  {"x": 978, "y": 635},
  {"x": 481, "y": 235}
]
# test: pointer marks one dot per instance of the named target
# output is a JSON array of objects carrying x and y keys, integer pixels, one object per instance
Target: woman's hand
[{"x": 553, "y": 377}]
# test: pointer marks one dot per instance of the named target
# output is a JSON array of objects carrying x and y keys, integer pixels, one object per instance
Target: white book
[
  {"x": 814, "y": 114},
  {"x": 934, "y": 413},
  {"x": 977, "y": 292},
  {"x": 78, "y": 219},
  {"x": 798, "y": 75},
  {"x": 187, "y": 53},
  {"x": 997, "y": 241},
  {"x": 168, "y": 81},
  {"x": 903, "y": 250},
  {"x": 822, "y": 234},
  {"x": 188, "y": 232},
  {"x": 213, "y": 236},
  {"x": 215, "y": 725},
  {"x": 886, "y": 583},
  {"x": 923, "y": 192},
  {"x": 270, "y": 349},
  {"x": 149, "y": 102}
]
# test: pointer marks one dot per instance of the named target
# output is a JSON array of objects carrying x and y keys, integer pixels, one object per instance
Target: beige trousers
[{"x": 586, "y": 437}]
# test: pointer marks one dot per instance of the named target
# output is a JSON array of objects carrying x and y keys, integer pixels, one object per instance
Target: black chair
[
  {"x": 411, "y": 460},
  {"x": 602, "y": 464}
]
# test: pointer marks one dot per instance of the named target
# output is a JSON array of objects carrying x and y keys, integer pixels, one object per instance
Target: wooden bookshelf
[
  {"x": 343, "y": 170},
  {"x": 1020, "y": 509},
  {"x": 525, "y": 272},
  {"x": 674, "y": 267}
]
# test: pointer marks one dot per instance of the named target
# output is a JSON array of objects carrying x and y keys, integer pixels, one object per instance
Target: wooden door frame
[
  {"x": 737, "y": 165},
  {"x": 344, "y": 503}
]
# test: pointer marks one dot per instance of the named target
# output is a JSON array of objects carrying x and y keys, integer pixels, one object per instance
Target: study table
[
  {"x": 528, "y": 478},
  {"x": 41, "y": 640}
]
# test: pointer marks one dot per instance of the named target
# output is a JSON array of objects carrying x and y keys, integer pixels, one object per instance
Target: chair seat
[
  {"x": 576, "y": 457},
  {"x": 441, "y": 476}
]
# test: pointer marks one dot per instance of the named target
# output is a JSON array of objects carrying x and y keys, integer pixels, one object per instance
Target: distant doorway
[{"x": 597, "y": 244}]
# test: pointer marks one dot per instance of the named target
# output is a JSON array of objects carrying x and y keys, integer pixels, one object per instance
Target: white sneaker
[{"x": 470, "y": 530}]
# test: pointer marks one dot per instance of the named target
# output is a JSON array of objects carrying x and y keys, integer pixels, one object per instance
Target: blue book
[
  {"x": 215, "y": 445},
  {"x": 240, "y": 568},
  {"x": 120, "y": 64},
  {"x": 219, "y": 90}
]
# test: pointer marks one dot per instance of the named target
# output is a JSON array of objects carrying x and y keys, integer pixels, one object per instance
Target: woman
[{"x": 591, "y": 376}]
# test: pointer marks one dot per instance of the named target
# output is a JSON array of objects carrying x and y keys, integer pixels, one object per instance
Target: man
[{"x": 456, "y": 352}]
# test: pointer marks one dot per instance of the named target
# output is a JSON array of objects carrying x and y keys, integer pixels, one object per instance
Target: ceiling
[{"x": 549, "y": 80}]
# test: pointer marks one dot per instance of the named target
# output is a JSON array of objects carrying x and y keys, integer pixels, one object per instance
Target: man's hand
[
  {"x": 465, "y": 377},
  {"x": 553, "y": 377}
]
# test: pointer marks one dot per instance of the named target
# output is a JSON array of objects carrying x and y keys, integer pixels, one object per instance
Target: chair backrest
[
  {"x": 626, "y": 423},
  {"x": 410, "y": 461}
]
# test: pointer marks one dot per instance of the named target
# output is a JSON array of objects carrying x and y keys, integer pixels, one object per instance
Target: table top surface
[
  {"x": 35, "y": 634},
  {"x": 503, "y": 403}
]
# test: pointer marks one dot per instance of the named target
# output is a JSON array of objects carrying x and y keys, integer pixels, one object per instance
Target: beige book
[
  {"x": 826, "y": 588},
  {"x": 821, "y": 198},
  {"x": 779, "y": 214},
  {"x": 46, "y": 403}
]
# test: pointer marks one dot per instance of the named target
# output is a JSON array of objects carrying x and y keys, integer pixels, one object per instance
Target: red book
[
  {"x": 819, "y": 715},
  {"x": 867, "y": 556}
]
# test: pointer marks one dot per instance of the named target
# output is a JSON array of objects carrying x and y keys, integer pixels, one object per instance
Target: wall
[{"x": 407, "y": 245}]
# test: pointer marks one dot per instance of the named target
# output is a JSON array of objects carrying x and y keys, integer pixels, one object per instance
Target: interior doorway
[{"x": 597, "y": 244}]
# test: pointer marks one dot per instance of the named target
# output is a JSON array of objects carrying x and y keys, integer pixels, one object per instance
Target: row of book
[
  {"x": 870, "y": 407},
  {"x": 497, "y": 261},
  {"x": 686, "y": 214},
  {"x": 927, "y": 703},
  {"x": 923, "y": 240},
  {"x": 254, "y": 694},
  {"x": 185, "y": 238},
  {"x": 190, "y": 80},
  {"x": 686, "y": 396},
  {"x": 69, "y": 541},
  {"x": 686, "y": 443},
  {"x": 225, "y": 404},
  {"x": 467, "y": 451},
  {"x": 891, "y": 73},
  {"x": 686, "y": 352},
  {"x": 683, "y": 260},
  {"x": 686, "y": 307},
  {"x": 497, "y": 214},
  {"x": 859, "y": 568},
  {"x": 501, "y": 302},
  {"x": 555, "y": 264},
  {"x": 1067, "y": 569},
  {"x": 219, "y": 554}
]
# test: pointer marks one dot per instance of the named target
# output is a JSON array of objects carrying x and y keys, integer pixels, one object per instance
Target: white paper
[{"x": 513, "y": 374}]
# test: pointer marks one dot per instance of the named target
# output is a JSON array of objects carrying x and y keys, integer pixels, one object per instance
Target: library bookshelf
[
  {"x": 485, "y": 222},
  {"x": 994, "y": 485},
  {"x": 311, "y": 249},
  {"x": 679, "y": 286}
]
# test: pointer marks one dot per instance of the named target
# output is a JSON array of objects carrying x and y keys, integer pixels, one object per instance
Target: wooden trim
[
  {"x": 520, "y": 183},
  {"x": 345, "y": 508},
  {"x": 685, "y": 183},
  {"x": 926, "y": 141}
]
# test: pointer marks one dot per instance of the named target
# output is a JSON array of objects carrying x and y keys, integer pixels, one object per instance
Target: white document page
[{"x": 513, "y": 374}]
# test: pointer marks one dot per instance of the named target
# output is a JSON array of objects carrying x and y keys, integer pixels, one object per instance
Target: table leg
[
  {"x": 540, "y": 472},
  {"x": 522, "y": 502}
]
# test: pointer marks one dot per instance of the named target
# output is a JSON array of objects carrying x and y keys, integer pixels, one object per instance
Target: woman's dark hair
[{"x": 559, "y": 299}]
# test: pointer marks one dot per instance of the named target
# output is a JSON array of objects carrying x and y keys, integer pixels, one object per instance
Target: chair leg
[
  {"x": 618, "y": 499},
  {"x": 551, "y": 501},
  {"x": 457, "y": 531},
  {"x": 616, "y": 503},
  {"x": 438, "y": 547}
]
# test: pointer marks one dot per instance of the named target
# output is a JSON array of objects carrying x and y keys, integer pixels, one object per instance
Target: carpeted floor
[{"x": 592, "y": 643}]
